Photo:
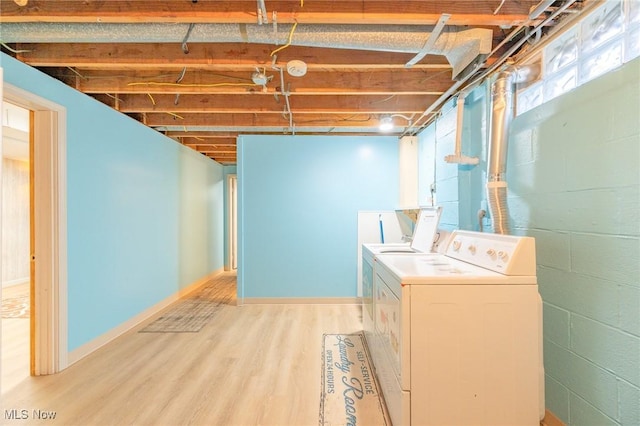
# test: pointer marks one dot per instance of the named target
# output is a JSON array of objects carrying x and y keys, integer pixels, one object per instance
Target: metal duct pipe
[
  {"x": 501, "y": 116},
  {"x": 452, "y": 90},
  {"x": 460, "y": 45}
]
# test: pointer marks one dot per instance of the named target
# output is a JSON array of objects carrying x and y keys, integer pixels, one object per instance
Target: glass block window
[
  {"x": 632, "y": 42},
  {"x": 529, "y": 98},
  {"x": 602, "y": 25},
  {"x": 560, "y": 83},
  {"x": 601, "y": 42},
  {"x": 562, "y": 52},
  {"x": 633, "y": 12},
  {"x": 603, "y": 60}
]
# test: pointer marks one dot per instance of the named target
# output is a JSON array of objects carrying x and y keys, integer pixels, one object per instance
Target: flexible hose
[{"x": 497, "y": 200}]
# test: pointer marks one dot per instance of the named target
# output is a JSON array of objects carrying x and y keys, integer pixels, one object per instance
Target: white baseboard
[
  {"x": 302, "y": 301},
  {"x": 89, "y": 347}
]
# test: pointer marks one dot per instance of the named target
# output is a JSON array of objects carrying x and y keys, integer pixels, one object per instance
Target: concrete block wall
[
  {"x": 459, "y": 188},
  {"x": 436, "y": 142},
  {"x": 574, "y": 184}
]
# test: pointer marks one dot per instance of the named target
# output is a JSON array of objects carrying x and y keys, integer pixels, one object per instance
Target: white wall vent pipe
[{"x": 457, "y": 156}]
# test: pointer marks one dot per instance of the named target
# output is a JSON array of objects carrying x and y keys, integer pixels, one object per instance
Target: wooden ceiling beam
[
  {"x": 357, "y": 82},
  {"x": 260, "y": 120},
  {"x": 300, "y": 104},
  {"x": 230, "y": 136},
  {"x": 229, "y": 154},
  {"x": 463, "y": 12},
  {"x": 196, "y": 143},
  {"x": 210, "y": 56},
  {"x": 217, "y": 154}
]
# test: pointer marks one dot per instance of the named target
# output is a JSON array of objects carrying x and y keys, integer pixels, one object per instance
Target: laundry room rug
[
  {"x": 16, "y": 307},
  {"x": 350, "y": 394},
  {"x": 190, "y": 314}
]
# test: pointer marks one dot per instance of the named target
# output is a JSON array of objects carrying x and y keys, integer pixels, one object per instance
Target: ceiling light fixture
[
  {"x": 21, "y": 2},
  {"x": 385, "y": 124}
]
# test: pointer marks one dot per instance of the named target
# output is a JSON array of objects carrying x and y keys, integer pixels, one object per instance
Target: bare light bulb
[{"x": 385, "y": 124}]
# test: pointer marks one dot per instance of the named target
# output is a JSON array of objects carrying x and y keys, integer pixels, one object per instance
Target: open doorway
[
  {"x": 48, "y": 350},
  {"x": 232, "y": 215},
  {"x": 15, "y": 239}
]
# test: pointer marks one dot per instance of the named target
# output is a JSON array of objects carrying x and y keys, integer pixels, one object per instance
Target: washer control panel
[{"x": 507, "y": 254}]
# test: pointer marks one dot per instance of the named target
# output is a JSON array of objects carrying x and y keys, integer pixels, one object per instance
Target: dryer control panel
[{"x": 507, "y": 254}]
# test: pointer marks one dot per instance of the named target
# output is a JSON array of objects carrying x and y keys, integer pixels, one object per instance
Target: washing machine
[
  {"x": 425, "y": 232},
  {"x": 424, "y": 238},
  {"x": 460, "y": 333}
]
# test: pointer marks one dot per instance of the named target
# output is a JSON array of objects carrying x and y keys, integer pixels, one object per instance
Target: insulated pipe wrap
[{"x": 460, "y": 45}]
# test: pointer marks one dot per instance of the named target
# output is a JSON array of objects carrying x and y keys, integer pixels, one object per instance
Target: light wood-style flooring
[
  {"x": 251, "y": 365},
  {"x": 15, "y": 344}
]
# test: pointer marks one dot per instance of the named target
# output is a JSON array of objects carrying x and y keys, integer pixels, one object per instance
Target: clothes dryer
[{"x": 461, "y": 333}]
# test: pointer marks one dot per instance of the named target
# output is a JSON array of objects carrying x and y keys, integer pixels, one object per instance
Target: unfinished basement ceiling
[{"x": 203, "y": 71}]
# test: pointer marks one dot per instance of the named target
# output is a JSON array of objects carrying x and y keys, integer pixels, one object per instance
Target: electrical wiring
[
  {"x": 293, "y": 28},
  {"x": 162, "y": 75},
  {"x": 117, "y": 99},
  {"x": 76, "y": 73},
  {"x": 153, "y": 101},
  {"x": 185, "y": 47},
  {"x": 385, "y": 99},
  {"x": 12, "y": 50},
  {"x": 175, "y": 115},
  {"x": 349, "y": 119},
  {"x": 157, "y": 83}
]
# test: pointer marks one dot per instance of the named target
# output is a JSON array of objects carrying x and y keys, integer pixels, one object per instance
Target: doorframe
[
  {"x": 232, "y": 222},
  {"x": 49, "y": 324}
]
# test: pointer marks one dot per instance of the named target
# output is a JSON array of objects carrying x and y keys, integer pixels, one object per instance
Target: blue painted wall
[
  {"x": 458, "y": 188},
  {"x": 574, "y": 184},
  {"x": 299, "y": 200},
  {"x": 145, "y": 216}
]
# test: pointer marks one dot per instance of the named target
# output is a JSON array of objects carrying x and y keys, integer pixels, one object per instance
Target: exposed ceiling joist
[
  {"x": 172, "y": 64},
  {"x": 210, "y": 56},
  {"x": 261, "y": 104},
  {"x": 345, "y": 82},
  {"x": 244, "y": 11}
]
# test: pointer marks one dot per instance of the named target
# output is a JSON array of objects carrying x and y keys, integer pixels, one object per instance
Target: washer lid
[
  {"x": 426, "y": 228},
  {"x": 440, "y": 269}
]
